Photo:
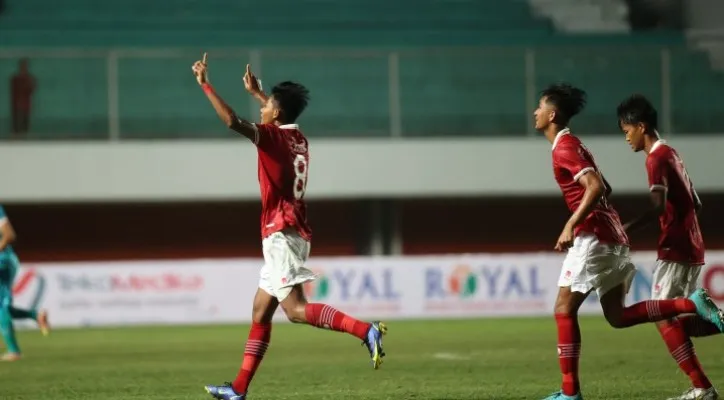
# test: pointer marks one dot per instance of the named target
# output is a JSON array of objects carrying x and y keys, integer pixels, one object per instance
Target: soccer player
[
  {"x": 283, "y": 167},
  {"x": 9, "y": 265},
  {"x": 597, "y": 245},
  {"x": 680, "y": 248}
]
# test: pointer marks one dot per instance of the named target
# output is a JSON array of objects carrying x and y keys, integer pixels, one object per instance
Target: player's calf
[
  {"x": 695, "y": 326},
  {"x": 682, "y": 350},
  {"x": 619, "y": 316},
  {"x": 321, "y": 315},
  {"x": 569, "y": 342}
]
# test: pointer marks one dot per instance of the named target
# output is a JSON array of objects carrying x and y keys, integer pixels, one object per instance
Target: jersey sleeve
[
  {"x": 267, "y": 137},
  {"x": 3, "y": 216},
  {"x": 656, "y": 169},
  {"x": 572, "y": 158}
]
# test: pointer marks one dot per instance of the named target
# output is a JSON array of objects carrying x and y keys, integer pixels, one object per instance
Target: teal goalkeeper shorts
[{"x": 9, "y": 265}]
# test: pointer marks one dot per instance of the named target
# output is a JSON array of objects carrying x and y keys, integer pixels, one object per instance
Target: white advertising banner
[{"x": 221, "y": 291}]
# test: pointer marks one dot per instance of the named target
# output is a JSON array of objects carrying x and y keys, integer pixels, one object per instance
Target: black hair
[
  {"x": 292, "y": 99},
  {"x": 637, "y": 109},
  {"x": 567, "y": 99}
]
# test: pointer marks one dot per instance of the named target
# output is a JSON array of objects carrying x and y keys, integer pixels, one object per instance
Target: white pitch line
[{"x": 450, "y": 356}]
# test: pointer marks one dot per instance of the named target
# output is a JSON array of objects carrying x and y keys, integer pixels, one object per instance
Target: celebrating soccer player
[
  {"x": 9, "y": 265},
  {"x": 283, "y": 169},
  {"x": 681, "y": 247},
  {"x": 596, "y": 243}
]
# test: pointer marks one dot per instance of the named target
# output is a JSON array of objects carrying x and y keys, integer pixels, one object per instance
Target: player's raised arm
[
  {"x": 225, "y": 113},
  {"x": 7, "y": 233},
  {"x": 252, "y": 84}
]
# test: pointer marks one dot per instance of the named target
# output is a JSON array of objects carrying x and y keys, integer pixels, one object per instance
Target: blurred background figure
[{"x": 22, "y": 86}]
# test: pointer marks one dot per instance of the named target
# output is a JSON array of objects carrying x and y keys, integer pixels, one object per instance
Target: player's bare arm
[
  {"x": 7, "y": 232},
  {"x": 252, "y": 84},
  {"x": 595, "y": 189},
  {"x": 658, "y": 206},
  {"x": 223, "y": 110}
]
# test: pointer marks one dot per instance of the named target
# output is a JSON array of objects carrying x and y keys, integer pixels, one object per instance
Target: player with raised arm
[
  {"x": 596, "y": 244},
  {"x": 9, "y": 265},
  {"x": 283, "y": 166},
  {"x": 681, "y": 247}
]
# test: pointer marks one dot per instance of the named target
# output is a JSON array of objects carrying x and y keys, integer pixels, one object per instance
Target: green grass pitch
[{"x": 440, "y": 360}]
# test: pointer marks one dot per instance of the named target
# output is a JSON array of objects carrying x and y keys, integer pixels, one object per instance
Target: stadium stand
[{"x": 481, "y": 87}]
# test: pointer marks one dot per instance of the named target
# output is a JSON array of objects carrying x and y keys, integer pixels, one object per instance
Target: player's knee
[
  {"x": 616, "y": 322},
  {"x": 564, "y": 306},
  {"x": 615, "y": 318},
  {"x": 260, "y": 317},
  {"x": 296, "y": 313}
]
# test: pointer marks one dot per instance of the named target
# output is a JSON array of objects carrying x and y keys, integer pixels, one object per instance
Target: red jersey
[
  {"x": 571, "y": 160},
  {"x": 283, "y": 154},
  {"x": 680, "y": 240}
]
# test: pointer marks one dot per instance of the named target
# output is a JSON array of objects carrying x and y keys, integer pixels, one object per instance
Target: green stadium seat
[{"x": 478, "y": 86}]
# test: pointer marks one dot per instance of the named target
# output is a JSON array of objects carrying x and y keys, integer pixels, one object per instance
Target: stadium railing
[{"x": 115, "y": 94}]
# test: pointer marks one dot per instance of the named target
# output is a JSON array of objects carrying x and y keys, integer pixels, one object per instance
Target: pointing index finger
[{"x": 203, "y": 59}]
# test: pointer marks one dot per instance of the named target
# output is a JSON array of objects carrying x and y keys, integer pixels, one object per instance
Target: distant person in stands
[{"x": 22, "y": 86}]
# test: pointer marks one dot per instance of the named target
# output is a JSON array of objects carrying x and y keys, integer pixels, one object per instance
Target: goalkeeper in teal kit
[{"x": 9, "y": 265}]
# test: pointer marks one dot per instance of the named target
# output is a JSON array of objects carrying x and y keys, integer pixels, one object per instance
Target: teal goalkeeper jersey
[{"x": 8, "y": 250}]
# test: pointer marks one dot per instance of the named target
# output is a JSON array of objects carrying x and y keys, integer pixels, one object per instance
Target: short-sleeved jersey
[
  {"x": 571, "y": 160},
  {"x": 283, "y": 154},
  {"x": 680, "y": 240}
]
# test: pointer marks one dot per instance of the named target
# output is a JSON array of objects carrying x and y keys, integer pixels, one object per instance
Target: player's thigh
[
  {"x": 285, "y": 255},
  {"x": 612, "y": 294},
  {"x": 671, "y": 280}
]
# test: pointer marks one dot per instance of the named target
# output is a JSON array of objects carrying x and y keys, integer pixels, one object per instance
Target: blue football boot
[
  {"x": 224, "y": 392},
  {"x": 374, "y": 342}
]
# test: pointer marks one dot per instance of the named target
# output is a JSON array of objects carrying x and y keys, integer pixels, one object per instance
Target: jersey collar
[
  {"x": 564, "y": 131},
  {"x": 656, "y": 145},
  {"x": 289, "y": 126}
]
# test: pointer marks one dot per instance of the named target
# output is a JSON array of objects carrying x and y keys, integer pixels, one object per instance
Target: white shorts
[
  {"x": 591, "y": 264},
  {"x": 285, "y": 254},
  {"x": 671, "y": 280}
]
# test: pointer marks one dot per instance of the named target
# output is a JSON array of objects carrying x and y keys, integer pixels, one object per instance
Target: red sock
[
  {"x": 326, "y": 317},
  {"x": 569, "y": 351},
  {"x": 682, "y": 350},
  {"x": 656, "y": 310},
  {"x": 256, "y": 346},
  {"x": 695, "y": 326}
]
